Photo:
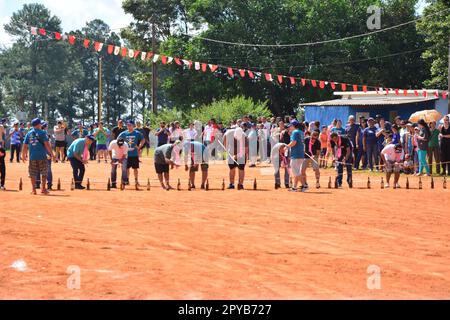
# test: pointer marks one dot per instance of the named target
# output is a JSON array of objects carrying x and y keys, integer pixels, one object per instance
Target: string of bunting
[{"x": 232, "y": 72}]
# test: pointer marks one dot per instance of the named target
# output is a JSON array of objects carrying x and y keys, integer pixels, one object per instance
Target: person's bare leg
[
  {"x": 43, "y": 184},
  {"x": 166, "y": 177},
  {"x": 396, "y": 177},
  {"x": 296, "y": 179},
  {"x": 232, "y": 175},
  {"x": 160, "y": 177},
  {"x": 33, "y": 185},
  {"x": 388, "y": 177},
  {"x": 204, "y": 176},
  {"x": 192, "y": 178},
  {"x": 241, "y": 177},
  {"x": 136, "y": 175}
]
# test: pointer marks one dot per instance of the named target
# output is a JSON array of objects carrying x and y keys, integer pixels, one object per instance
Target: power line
[{"x": 317, "y": 42}]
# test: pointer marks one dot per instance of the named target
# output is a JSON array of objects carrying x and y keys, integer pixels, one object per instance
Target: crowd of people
[{"x": 288, "y": 144}]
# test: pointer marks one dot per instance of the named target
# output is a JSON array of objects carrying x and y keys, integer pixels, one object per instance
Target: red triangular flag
[
  {"x": 303, "y": 82},
  {"x": 397, "y": 92},
  {"x": 344, "y": 86},
  {"x": 163, "y": 59},
  {"x": 98, "y": 46},
  {"x": 436, "y": 94},
  {"x": 137, "y": 53},
  {"x": 123, "y": 52},
  {"x": 355, "y": 87},
  {"x": 280, "y": 79},
  {"x": 178, "y": 62},
  {"x": 57, "y": 36},
  {"x": 314, "y": 83},
  {"x": 110, "y": 49},
  {"x": 268, "y": 77},
  {"x": 42, "y": 32},
  {"x": 444, "y": 94},
  {"x": 322, "y": 84},
  {"x": 242, "y": 72},
  {"x": 204, "y": 67},
  {"x": 416, "y": 93},
  {"x": 149, "y": 55},
  {"x": 230, "y": 72},
  {"x": 250, "y": 74},
  {"x": 86, "y": 43},
  {"x": 365, "y": 88},
  {"x": 387, "y": 91},
  {"x": 333, "y": 85},
  {"x": 213, "y": 67},
  {"x": 405, "y": 92},
  {"x": 425, "y": 93},
  {"x": 72, "y": 40},
  {"x": 292, "y": 80}
]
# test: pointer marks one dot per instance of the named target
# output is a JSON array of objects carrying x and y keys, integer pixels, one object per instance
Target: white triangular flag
[
  {"x": 116, "y": 50},
  {"x": 155, "y": 58},
  {"x": 143, "y": 56},
  {"x": 186, "y": 62},
  {"x": 34, "y": 31},
  {"x": 169, "y": 59},
  {"x": 131, "y": 53},
  {"x": 197, "y": 66}
]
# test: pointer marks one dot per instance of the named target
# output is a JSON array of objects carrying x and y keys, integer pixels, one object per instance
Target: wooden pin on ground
[
  {"x": 58, "y": 187},
  {"x": 420, "y": 183},
  {"x": 88, "y": 186},
  {"x": 432, "y": 183},
  {"x": 20, "y": 185},
  {"x": 207, "y": 185},
  {"x": 336, "y": 184},
  {"x": 148, "y": 185},
  {"x": 223, "y": 185},
  {"x": 255, "y": 185},
  {"x": 329, "y": 183},
  {"x": 122, "y": 186},
  {"x": 368, "y": 183},
  {"x": 445, "y": 183},
  {"x": 407, "y": 182},
  {"x": 179, "y": 185}
]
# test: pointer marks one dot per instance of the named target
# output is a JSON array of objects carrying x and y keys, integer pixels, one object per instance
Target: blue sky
[{"x": 74, "y": 14}]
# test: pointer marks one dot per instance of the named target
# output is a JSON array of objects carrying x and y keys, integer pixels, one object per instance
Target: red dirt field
[{"x": 216, "y": 244}]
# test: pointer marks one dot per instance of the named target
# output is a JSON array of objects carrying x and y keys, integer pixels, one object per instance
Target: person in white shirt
[
  {"x": 393, "y": 156},
  {"x": 190, "y": 134},
  {"x": 176, "y": 133},
  {"x": 118, "y": 153}
]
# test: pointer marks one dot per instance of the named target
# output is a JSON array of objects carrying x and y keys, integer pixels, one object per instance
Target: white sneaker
[
  {"x": 397, "y": 186},
  {"x": 387, "y": 186}
]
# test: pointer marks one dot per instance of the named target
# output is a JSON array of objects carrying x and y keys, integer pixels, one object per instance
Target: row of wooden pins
[{"x": 382, "y": 183}]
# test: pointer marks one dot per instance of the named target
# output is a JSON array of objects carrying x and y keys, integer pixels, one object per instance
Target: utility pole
[
  {"x": 99, "y": 117},
  {"x": 448, "y": 93},
  {"x": 132, "y": 98},
  {"x": 154, "y": 78}
]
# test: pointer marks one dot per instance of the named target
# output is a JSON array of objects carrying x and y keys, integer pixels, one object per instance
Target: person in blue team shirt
[
  {"x": 15, "y": 141},
  {"x": 80, "y": 132},
  {"x": 78, "y": 155},
  {"x": 49, "y": 166},
  {"x": 297, "y": 147},
  {"x": 370, "y": 144},
  {"x": 38, "y": 145},
  {"x": 135, "y": 141},
  {"x": 338, "y": 128}
]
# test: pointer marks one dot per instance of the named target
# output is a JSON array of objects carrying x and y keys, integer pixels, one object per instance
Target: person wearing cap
[
  {"x": 49, "y": 164},
  {"x": 78, "y": 155},
  {"x": 196, "y": 155},
  {"x": 135, "y": 142},
  {"x": 15, "y": 137},
  {"x": 353, "y": 132},
  {"x": 164, "y": 160},
  {"x": 80, "y": 132},
  {"x": 37, "y": 144},
  {"x": 101, "y": 134},
  {"x": 393, "y": 155},
  {"x": 297, "y": 148},
  {"x": 341, "y": 148},
  {"x": 118, "y": 152},
  {"x": 370, "y": 144}
]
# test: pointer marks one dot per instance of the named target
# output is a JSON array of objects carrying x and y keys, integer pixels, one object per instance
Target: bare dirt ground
[{"x": 216, "y": 244}]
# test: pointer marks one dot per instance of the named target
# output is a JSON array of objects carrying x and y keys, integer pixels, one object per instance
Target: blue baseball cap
[
  {"x": 36, "y": 122},
  {"x": 131, "y": 122},
  {"x": 44, "y": 124},
  {"x": 294, "y": 123},
  {"x": 91, "y": 137}
]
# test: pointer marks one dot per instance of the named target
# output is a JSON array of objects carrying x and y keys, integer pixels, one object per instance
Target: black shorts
[
  {"x": 204, "y": 167},
  {"x": 60, "y": 144},
  {"x": 133, "y": 162},
  {"x": 161, "y": 168},
  {"x": 234, "y": 166}
]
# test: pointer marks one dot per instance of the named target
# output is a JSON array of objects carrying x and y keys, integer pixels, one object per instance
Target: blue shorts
[{"x": 101, "y": 147}]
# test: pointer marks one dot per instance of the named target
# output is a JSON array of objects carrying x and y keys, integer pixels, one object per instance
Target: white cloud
[{"x": 73, "y": 14}]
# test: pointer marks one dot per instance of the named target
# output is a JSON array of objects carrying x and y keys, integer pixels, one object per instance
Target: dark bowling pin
[
  {"x": 329, "y": 183},
  {"x": 179, "y": 185},
  {"x": 407, "y": 183},
  {"x": 255, "y": 185},
  {"x": 432, "y": 183},
  {"x": 420, "y": 183},
  {"x": 445, "y": 183},
  {"x": 207, "y": 185},
  {"x": 58, "y": 187},
  {"x": 336, "y": 185},
  {"x": 88, "y": 186},
  {"x": 148, "y": 185},
  {"x": 20, "y": 185},
  {"x": 122, "y": 186},
  {"x": 223, "y": 184},
  {"x": 368, "y": 183}
]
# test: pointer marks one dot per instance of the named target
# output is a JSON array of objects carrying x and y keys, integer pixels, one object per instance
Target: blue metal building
[{"x": 371, "y": 104}]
